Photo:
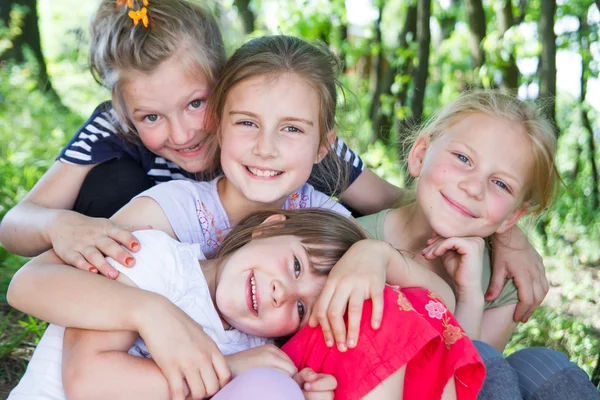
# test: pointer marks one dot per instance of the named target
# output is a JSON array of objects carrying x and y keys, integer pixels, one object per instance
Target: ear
[
  {"x": 512, "y": 219},
  {"x": 416, "y": 156},
  {"x": 264, "y": 226},
  {"x": 325, "y": 147}
]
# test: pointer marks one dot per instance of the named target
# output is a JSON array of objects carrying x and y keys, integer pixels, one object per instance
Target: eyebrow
[{"x": 287, "y": 119}]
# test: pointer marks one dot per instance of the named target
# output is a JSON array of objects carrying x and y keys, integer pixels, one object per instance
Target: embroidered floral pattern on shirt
[
  {"x": 403, "y": 303},
  {"x": 296, "y": 201},
  {"x": 435, "y": 309},
  {"x": 213, "y": 236},
  {"x": 435, "y": 296},
  {"x": 452, "y": 333}
]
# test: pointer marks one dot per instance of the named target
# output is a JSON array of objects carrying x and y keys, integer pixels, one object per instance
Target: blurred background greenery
[{"x": 403, "y": 59}]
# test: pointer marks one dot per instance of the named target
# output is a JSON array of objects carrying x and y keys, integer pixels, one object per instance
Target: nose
[
  {"x": 182, "y": 131},
  {"x": 265, "y": 145},
  {"x": 279, "y": 293},
  {"x": 473, "y": 186}
]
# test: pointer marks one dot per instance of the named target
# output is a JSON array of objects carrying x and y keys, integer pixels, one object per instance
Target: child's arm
[
  {"x": 43, "y": 220},
  {"x": 462, "y": 258},
  {"x": 369, "y": 194},
  {"x": 514, "y": 257},
  {"x": 360, "y": 275},
  {"x": 498, "y": 326},
  {"x": 96, "y": 366},
  {"x": 65, "y": 296}
]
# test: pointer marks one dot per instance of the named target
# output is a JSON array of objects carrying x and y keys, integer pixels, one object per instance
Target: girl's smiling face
[
  {"x": 270, "y": 136},
  {"x": 267, "y": 288},
  {"x": 167, "y": 108},
  {"x": 474, "y": 177}
]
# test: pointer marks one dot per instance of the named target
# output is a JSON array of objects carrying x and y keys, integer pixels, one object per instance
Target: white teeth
[
  {"x": 262, "y": 172},
  {"x": 190, "y": 148},
  {"x": 253, "y": 285}
]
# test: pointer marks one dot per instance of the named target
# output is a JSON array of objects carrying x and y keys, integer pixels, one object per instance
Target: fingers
[
  {"x": 525, "y": 294},
  {"x": 377, "y": 313},
  {"x": 355, "y": 308},
  {"x": 320, "y": 315},
  {"x": 176, "y": 386},
  {"x": 195, "y": 384},
  {"x": 222, "y": 369},
  {"x": 124, "y": 237},
  {"x": 497, "y": 282},
  {"x": 335, "y": 315},
  {"x": 209, "y": 380},
  {"x": 96, "y": 258},
  {"x": 320, "y": 383}
]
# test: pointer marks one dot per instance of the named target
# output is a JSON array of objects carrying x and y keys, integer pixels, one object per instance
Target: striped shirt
[{"x": 99, "y": 140}]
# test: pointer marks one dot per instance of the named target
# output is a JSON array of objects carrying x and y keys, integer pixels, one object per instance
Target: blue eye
[
  {"x": 463, "y": 158},
  {"x": 151, "y": 117},
  {"x": 195, "y": 104},
  {"x": 502, "y": 185},
  {"x": 292, "y": 129},
  {"x": 301, "y": 310},
  {"x": 297, "y": 267},
  {"x": 249, "y": 124}
]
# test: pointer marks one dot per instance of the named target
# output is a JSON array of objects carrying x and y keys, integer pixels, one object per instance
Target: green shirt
[{"x": 374, "y": 223}]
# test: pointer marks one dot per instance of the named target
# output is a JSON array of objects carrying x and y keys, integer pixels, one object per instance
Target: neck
[
  {"x": 406, "y": 228},
  {"x": 237, "y": 206},
  {"x": 211, "y": 270}
]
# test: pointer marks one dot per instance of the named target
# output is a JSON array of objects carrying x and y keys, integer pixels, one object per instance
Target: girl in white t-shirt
[{"x": 262, "y": 284}]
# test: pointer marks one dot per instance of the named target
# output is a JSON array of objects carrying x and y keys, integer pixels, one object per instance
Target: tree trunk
[
  {"x": 548, "y": 58},
  {"x": 243, "y": 7},
  {"x": 477, "y": 28},
  {"x": 30, "y": 38},
  {"x": 405, "y": 69},
  {"x": 448, "y": 19},
  {"x": 585, "y": 59},
  {"x": 376, "y": 59},
  {"x": 381, "y": 82},
  {"x": 510, "y": 71},
  {"x": 422, "y": 70}
]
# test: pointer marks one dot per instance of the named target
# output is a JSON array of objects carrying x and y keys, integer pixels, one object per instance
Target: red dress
[{"x": 417, "y": 331}]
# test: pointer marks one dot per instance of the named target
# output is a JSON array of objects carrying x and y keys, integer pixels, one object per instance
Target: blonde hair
[
  {"x": 117, "y": 47},
  {"x": 539, "y": 130},
  {"x": 272, "y": 57},
  {"x": 326, "y": 234}
]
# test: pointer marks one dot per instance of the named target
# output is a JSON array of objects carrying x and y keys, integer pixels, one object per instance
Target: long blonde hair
[{"x": 539, "y": 130}]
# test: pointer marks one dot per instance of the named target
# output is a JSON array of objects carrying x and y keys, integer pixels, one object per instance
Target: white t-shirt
[{"x": 164, "y": 266}]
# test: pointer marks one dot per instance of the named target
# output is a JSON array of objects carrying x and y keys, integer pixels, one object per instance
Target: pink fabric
[
  {"x": 417, "y": 332},
  {"x": 261, "y": 384}
]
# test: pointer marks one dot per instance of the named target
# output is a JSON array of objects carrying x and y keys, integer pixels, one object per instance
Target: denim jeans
[{"x": 535, "y": 373}]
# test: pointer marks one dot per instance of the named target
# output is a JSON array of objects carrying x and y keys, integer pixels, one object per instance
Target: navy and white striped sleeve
[{"x": 97, "y": 140}]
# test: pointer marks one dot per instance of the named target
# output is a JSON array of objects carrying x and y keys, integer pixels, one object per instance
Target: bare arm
[
  {"x": 25, "y": 229},
  {"x": 144, "y": 210},
  {"x": 405, "y": 272},
  {"x": 498, "y": 326},
  {"x": 369, "y": 194},
  {"x": 93, "y": 358},
  {"x": 48, "y": 289}
]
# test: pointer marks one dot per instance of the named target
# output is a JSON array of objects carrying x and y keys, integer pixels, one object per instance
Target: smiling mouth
[
  {"x": 263, "y": 173},
  {"x": 458, "y": 207},
  {"x": 190, "y": 149},
  {"x": 253, "y": 294}
]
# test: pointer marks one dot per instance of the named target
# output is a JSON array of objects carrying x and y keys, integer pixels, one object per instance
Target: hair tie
[{"x": 136, "y": 15}]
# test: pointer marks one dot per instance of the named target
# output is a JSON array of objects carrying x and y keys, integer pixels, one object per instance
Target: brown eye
[{"x": 301, "y": 310}]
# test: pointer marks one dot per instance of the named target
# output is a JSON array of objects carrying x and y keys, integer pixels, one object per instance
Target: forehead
[
  {"x": 285, "y": 94},
  {"x": 169, "y": 81}
]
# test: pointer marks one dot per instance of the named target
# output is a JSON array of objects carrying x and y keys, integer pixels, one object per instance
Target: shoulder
[
  {"x": 308, "y": 197},
  {"x": 157, "y": 263},
  {"x": 98, "y": 139},
  {"x": 374, "y": 224}
]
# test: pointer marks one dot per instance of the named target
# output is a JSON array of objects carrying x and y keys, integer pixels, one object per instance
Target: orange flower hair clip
[{"x": 136, "y": 15}]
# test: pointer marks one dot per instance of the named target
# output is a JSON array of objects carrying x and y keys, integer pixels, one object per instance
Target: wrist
[
  {"x": 52, "y": 222},
  {"x": 145, "y": 309},
  {"x": 472, "y": 296}
]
